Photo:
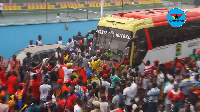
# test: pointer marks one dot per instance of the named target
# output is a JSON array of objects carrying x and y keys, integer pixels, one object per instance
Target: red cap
[
  {"x": 80, "y": 42},
  {"x": 59, "y": 81},
  {"x": 22, "y": 84},
  {"x": 156, "y": 61},
  {"x": 105, "y": 75},
  {"x": 104, "y": 66},
  {"x": 67, "y": 81},
  {"x": 126, "y": 61},
  {"x": 116, "y": 65}
]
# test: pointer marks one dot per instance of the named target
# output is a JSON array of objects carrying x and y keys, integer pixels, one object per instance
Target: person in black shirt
[{"x": 79, "y": 37}]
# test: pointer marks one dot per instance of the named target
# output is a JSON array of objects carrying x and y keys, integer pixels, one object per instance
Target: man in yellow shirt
[{"x": 95, "y": 64}]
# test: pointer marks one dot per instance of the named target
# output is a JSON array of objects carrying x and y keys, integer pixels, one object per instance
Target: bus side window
[{"x": 165, "y": 35}]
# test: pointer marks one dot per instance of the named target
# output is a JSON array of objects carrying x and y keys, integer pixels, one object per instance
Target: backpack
[{"x": 121, "y": 99}]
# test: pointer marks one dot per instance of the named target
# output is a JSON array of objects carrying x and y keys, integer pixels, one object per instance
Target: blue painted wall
[{"x": 16, "y": 37}]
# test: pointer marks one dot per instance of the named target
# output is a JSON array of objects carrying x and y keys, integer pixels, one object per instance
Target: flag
[
  {"x": 82, "y": 72},
  {"x": 19, "y": 93}
]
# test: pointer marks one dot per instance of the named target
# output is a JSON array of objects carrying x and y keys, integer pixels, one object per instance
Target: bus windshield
[
  {"x": 140, "y": 48},
  {"x": 113, "y": 38}
]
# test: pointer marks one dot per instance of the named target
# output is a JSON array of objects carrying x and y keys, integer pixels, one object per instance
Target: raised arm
[
  {"x": 38, "y": 66},
  {"x": 78, "y": 69},
  {"x": 52, "y": 70},
  {"x": 121, "y": 62}
]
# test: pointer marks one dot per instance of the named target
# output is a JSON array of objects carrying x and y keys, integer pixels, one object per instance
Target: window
[
  {"x": 140, "y": 47},
  {"x": 165, "y": 35}
]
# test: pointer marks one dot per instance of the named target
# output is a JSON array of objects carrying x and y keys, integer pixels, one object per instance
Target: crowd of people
[{"x": 97, "y": 83}]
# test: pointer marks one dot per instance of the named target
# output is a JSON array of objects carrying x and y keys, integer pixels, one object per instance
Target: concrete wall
[{"x": 16, "y": 37}]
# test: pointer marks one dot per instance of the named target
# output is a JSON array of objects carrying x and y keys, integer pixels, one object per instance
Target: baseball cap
[
  {"x": 22, "y": 84},
  {"x": 59, "y": 81},
  {"x": 104, "y": 66},
  {"x": 67, "y": 81},
  {"x": 105, "y": 75},
  {"x": 156, "y": 61}
]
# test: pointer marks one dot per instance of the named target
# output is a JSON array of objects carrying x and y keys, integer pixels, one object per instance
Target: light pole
[
  {"x": 181, "y": 4},
  {"x": 87, "y": 10},
  {"x": 122, "y": 5},
  {"x": 102, "y": 5},
  {"x": 46, "y": 11}
]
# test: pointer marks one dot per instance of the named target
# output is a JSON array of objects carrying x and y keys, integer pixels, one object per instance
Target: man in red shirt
[
  {"x": 2, "y": 76},
  {"x": 66, "y": 85},
  {"x": 194, "y": 86},
  {"x": 174, "y": 93},
  {"x": 105, "y": 71},
  {"x": 15, "y": 63},
  {"x": 34, "y": 88},
  {"x": 72, "y": 97},
  {"x": 147, "y": 74},
  {"x": 39, "y": 75},
  {"x": 12, "y": 83},
  {"x": 63, "y": 103}
]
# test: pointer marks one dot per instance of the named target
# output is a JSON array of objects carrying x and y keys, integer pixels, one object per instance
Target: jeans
[{"x": 152, "y": 107}]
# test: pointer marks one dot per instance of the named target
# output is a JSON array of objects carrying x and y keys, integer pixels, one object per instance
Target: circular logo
[{"x": 176, "y": 17}]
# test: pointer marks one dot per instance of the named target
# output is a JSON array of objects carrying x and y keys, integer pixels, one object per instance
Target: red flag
[{"x": 82, "y": 72}]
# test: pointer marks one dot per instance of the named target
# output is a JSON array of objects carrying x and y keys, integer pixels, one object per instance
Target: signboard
[
  {"x": 113, "y": 38},
  {"x": 178, "y": 49}
]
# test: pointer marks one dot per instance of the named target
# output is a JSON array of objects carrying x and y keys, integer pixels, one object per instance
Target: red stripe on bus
[{"x": 148, "y": 39}]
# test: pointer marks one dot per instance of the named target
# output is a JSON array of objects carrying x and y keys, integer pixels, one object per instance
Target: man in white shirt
[
  {"x": 78, "y": 106},
  {"x": 3, "y": 106},
  {"x": 31, "y": 44},
  {"x": 167, "y": 89},
  {"x": 116, "y": 99},
  {"x": 58, "y": 17},
  {"x": 160, "y": 78},
  {"x": 105, "y": 83},
  {"x": 58, "y": 56},
  {"x": 68, "y": 72},
  {"x": 44, "y": 90},
  {"x": 128, "y": 96},
  {"x": 133, "y": 86},
  {"x": 69, "y": 44},
  {"x": 59, "y": 40},
  {"x": 39, "y": 41},
  {"x": 192, "y": 76},
  {"x": 153, "y": 98},
  {"x": 104, "y": 103}
]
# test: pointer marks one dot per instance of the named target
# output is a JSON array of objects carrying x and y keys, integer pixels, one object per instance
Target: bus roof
[{"x": 159, "y": 16}]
